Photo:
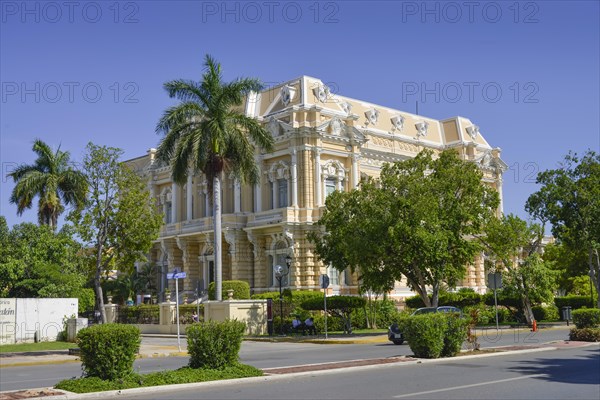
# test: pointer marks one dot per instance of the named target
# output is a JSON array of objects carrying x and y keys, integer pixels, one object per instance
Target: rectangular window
[
  {"x": 282, "y": 192},
  {"x": 168, "y": 208},
  {"x": 329, "y": 186},
  {"x": 334, "y": 276},
  {"x": 211, "y": 271}
]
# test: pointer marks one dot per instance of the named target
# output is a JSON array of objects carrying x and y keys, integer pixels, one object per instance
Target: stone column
[
  {"x": 274, "y": 194},
  {"x": 318, "y": 202},
  {"x": 294, "y": 179},
  {"x": 189, "y": 193},
  {"x": 174, "y": 202},
  {"x": 237, "y": 196},
  {"x": 355, "y": 180}
]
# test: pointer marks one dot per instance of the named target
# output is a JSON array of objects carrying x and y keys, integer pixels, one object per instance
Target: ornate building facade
[{"x": 323, "y": 142}]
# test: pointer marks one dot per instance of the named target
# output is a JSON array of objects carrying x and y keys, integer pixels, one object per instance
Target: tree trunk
[
  {"x": 595, "y": 273},
  {"x": 217, "y": 225},
  {"x": 527, "y": 310}
]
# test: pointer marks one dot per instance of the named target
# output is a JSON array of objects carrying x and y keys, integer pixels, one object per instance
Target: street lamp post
[{"x": 279, "y": 275}]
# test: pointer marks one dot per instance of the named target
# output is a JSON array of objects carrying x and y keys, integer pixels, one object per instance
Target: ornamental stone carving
[
  {"x": 279, "y": 170},
  {"x": 422, "y": 128},
  {"x": 273, "y": 127},
  {"x": 347, "y": 107},
  {"x": 372, "y": 116},
  {"x": 288, "y": 94},
  {"x": 322, "y": 93},
  {"x": 336, "y": 127},
  {"x": 397, "y": 123},
  {"x": 473, "y": 131}
]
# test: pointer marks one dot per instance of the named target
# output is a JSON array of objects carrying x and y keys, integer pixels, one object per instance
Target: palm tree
[
  {"x": 206, "y": 132},
  {"x": 53, "y": 179}
]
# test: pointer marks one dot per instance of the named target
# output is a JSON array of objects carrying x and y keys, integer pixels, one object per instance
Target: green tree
[
  {"x": 570, "y": 200},
  {"x": 52, "y": 179},
  {"x": 208, "y": 132},
  {"x": 568, "y": 263},
  {"x": 35, "y": 261},
  {"x": 514, "y": 247},
  {"x": 119, "y": 221},
  {"x": 416, "y": 221}
]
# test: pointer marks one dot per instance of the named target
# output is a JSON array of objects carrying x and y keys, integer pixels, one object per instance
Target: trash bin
[{"x": 566, "y": 314}]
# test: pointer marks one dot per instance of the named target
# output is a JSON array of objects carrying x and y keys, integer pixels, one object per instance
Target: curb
[{"x": 167, "y": 388}]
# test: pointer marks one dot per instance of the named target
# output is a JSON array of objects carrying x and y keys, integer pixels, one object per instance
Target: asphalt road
[
  {"x": 557, "y": 374},
  {"x": 262, "y": 355}
]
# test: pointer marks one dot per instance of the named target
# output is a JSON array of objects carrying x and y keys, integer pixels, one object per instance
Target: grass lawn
[
  {"x": 41, "y": 346},
  {"x": 181, "y": 375}
]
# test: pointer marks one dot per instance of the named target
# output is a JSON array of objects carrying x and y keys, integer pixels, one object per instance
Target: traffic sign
[
  {"x": 494, "y": 280},
  {"x": 324, "y": 281},
  {"x": 176, "y": 275}
]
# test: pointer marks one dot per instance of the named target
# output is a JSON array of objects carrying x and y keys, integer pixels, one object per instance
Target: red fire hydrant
[{"x": 534, "y": 327}]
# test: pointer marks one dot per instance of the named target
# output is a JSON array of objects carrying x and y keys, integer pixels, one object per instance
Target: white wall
[{"x": 38, "y": 317}]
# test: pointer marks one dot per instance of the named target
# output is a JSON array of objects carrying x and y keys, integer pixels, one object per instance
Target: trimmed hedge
[
  {"x": 108, "y": 350},
  {"x": 214, "y": 344},
  {"x": 456, "y": 334},
  {"x": 575, "y": 302},
  {"x": 338, "y": 306},
  {"x": 547, "y": 313},
  {"x": 241, "y": 290},
  {"x": 142, "y": 314},
  {"x": 586, "y": 318},
  {"x": 461, "y": 299},
  {"x": 585, "y": 334}
]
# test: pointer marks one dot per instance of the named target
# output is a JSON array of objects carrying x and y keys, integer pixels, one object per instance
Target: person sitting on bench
[
  {"x": 310, "y": 326},
  {"x": 297, "y": 325}
]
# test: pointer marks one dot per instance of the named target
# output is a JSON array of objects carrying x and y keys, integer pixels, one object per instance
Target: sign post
[
  {"x": 324, "y": 283},
  {"x": 495, "y": 283},
  {"x": 177, "y": 275}
]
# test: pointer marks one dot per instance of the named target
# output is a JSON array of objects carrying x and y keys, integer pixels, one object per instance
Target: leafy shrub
[
  {"x": 456, "y": 334},
  {"x": 504, "y": 299},
  {"x": 337, "y": 306},
  {"x": 241, "y": 290},
  {"x": 545, "y": 313},
  {"x": 585, "y": 334},
  {"x": 186, "y": 313},
  {"x": 142, "y": 314},
  {"x": 86, "y": 297},
  {"x": 575, "y": 302},
  {"x": 425, "y": 334},
  {"x": 108, "y": 350},
  {"x": 586, "y": 318},
  {"x": 214, "y": 344},
  {"x": 463, "y": 298}
]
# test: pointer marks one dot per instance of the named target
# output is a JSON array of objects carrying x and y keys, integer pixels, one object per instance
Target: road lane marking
[{"x": 469, "y": 386}]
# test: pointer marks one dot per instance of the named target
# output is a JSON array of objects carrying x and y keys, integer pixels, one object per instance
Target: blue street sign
[{"x": 176, "y": 275}]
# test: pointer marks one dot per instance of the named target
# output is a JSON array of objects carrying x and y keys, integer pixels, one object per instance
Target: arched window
[{"x": 333, "y": 174}]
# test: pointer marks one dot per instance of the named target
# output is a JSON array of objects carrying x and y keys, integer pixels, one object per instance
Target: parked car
[{"x": 397, "y": 337}]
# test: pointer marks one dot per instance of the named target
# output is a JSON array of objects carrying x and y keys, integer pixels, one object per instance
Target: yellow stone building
[{"x": 323, "y": 142}]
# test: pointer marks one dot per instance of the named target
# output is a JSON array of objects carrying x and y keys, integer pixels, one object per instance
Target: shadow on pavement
[{"x": 580, "y": 370}]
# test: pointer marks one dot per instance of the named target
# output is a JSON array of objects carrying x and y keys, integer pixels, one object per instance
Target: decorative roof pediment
[
  {"x": 335, "y": 127},
  {"x": 488, "y": 161}
]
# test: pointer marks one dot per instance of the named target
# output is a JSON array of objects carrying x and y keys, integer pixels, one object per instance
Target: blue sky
[{"x": 526, "y": 72}]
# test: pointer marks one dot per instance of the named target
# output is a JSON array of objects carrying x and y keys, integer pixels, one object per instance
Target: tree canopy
[
  {"x": 514, "y": 247},
  {"x": 53, "y": 179},
  {"x": 35, "y": 261},
  {"x": 569, "y": 199},
  {"x": 416, "y": 221},
  {"x": 208, "y": 132},
  {"x": 119, "y": 221}
]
